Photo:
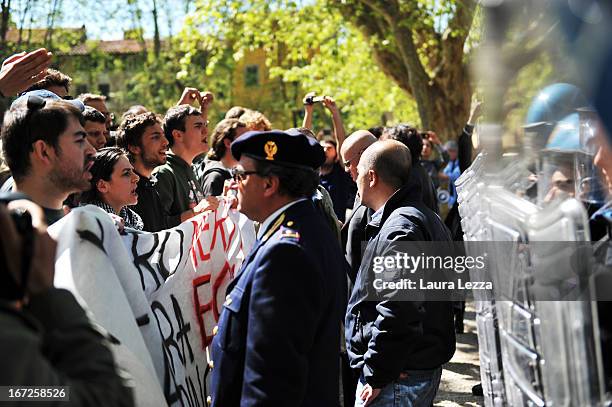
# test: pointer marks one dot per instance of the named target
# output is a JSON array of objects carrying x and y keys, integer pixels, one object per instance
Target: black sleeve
[
  {"x": 398, "y": 322},
  {"x": 212, "y": 183},
  {"x": 166, "y": 188},
  {"x": 72, "y": 354},
  {"x": 465, "y": 147}
]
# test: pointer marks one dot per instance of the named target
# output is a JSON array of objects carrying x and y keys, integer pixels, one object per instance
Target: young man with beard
[
  {"x": 186, "y": 130},
  {"x": 142, "y": 136},
  {"x": 46, "y": 148}
]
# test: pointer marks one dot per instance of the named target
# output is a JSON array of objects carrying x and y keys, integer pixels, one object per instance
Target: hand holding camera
[
  {"x": 27, "y": 249},
  {"x": 312, "y": 98}
]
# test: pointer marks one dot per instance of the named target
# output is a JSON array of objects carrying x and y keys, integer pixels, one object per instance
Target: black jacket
[
  {"x": 353, "y": 236},
  {"x": 386, "y": 337},
  {"x": 149, "y": 205},
  {"x": 278, "y": 338},
  {"x": 51, "y": 342},
  {"x": 428, "y": 192}
]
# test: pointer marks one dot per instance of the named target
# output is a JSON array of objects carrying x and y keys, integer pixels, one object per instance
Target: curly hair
[
  {"x": 255, "y": 120},
  {"x": 133, "y": 127},
  {"x": 407, "y": 135},
  {"x": 52, "y": 78}
]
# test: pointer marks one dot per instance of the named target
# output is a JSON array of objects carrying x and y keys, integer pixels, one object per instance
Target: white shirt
[{"x": 266, "y": 223}]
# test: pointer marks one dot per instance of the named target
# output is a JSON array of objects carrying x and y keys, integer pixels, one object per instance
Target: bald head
[
  {"x": 353, "y": 147},
  {"x": 390, "y": 160}
]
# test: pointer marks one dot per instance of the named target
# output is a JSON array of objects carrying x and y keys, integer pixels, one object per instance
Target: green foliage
[{"x": 308, "y": 46}]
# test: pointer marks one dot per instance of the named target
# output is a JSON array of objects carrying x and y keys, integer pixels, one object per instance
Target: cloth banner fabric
[{"x": 157, "y": 296}]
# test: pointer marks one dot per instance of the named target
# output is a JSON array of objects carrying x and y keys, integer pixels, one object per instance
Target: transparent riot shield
[
  {"x": 525, "y": 199},
  {"x": 570, "y": 367}
]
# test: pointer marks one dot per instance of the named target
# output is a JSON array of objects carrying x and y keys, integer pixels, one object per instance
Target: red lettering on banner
[
  {"x": 200, "y": 309},
  {"x": 218, "y": 279}
]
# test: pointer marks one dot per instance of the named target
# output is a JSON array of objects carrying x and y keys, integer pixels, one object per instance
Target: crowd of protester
[{"x": 159, "y": 169}]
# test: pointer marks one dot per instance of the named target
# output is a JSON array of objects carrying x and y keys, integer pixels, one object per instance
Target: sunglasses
[
  {"x": 347, "y": 163},
  {"x": 240, "y": 175}
]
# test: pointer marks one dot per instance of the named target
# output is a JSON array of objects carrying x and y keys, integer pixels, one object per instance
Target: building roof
[
  {"x": 37, "y": 35},
  {"x": 116, "y": 47}
]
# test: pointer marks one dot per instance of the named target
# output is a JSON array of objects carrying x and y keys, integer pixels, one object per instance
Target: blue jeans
[{"x": 414, "y": 388}]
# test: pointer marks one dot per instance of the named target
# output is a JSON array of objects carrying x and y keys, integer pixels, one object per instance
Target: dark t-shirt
[
  {"x": 149, "y": 205},
  {"x": 341, "y": 188},
  {"x": 53, "y": 215},
  {"x": 212, "y": 175},
  {"x": 177, "y": 187}
]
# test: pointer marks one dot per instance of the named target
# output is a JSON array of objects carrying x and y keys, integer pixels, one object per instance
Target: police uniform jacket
[
  {"x": 278, "y": 337},
  {"x": 387, "y": 337}
]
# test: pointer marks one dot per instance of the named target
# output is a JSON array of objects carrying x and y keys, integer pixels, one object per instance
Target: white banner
[{"x": 160, "y": 294}]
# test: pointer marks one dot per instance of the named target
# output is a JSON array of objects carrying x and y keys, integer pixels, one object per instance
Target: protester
[
  {"x": 95, "y": 126},
  {"x": 433, "y": 165},
  {"x": 54, "y": 81},
  {"x": 451, "y": 172},
  {"x": 339, "y": 185},
  {"x": 113, "y": 186},
  {"x": 143, "y": 137},
  {"x": 177, "y": 185},
  {"x": 399, "y": 346},
  {"x": 98, "y": 102},
  {"x": 255, "y": 121},
  {"x": 411, "y": 138},
  {"x": 46, "y": 148},
  {"x": 213, "y": 172},
  {"x": 19, "y": 71},
  {"x": 46, "y": 337},
  {"x": 133, "y": 110},
  {"x": 235, "y": 112},
  {"x": 279, "y": 333}
]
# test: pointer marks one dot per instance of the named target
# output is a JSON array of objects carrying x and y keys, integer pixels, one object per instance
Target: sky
[{"x": 109, "y": 18}]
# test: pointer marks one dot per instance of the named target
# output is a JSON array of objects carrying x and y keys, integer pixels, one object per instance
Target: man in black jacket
[
  {"x": 399, "y": 346},
  {"x": 142, "y": 136}
]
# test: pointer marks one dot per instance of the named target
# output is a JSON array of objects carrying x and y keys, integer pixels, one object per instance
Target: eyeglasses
[
  {"x": 240, "y": 175},
  {"x": 347, "y": 163}
]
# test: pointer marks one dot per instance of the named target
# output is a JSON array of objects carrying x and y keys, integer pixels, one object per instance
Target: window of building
[
  {"x": 251, "y": 75},
  {"x": 81, "y": 88},
  {"x": 104, "y": 89}
]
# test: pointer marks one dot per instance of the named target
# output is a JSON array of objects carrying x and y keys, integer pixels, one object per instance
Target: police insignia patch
[
  {"x": 270, "y": 149},
  {"x": 289, "y": 233}
]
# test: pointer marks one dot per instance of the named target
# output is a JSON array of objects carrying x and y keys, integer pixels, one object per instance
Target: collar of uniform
[{"x": 266, "y": 223}]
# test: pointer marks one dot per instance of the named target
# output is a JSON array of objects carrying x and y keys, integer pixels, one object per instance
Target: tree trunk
[
  {"x": 55, "y": 9},
  {"x": 22, "y": 20},
  {"x": 399, "y": 32},
  {"x": 4, "y": 21},
  {"x": 156, "y": 39}
]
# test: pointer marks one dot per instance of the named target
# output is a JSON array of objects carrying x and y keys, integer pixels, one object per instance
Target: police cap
[{"x": 285, "y": 148}]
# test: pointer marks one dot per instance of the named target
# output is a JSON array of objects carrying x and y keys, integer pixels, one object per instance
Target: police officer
[{"x": 278, "y": 338}]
